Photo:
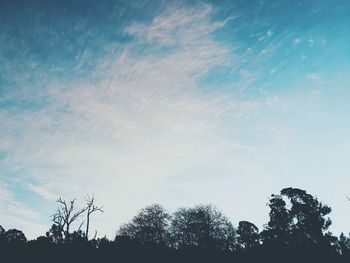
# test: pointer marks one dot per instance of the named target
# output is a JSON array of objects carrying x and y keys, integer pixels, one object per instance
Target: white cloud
[
  {"x": 45, "y": 193},
  {"x": 179, "y": 27},
  {"x": 145, "y": 123}
]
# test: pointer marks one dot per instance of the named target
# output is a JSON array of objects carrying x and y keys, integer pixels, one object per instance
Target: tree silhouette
[
  {"x": 15, "y": 237},
  {"x": 90, "y": 208},
  {"x": 297, "y": 231},
  {"x": 55, "y": 234},
  {"x": 303, "y": 222},
  {"x": 150, "y": 225},
  {"x": 277, "y": 229},
  {"x": 202, "y": 226},
  {"x": 248, "y": 235},
  {"x": 343, "y": 245},
  {"x": 65, "y": 215},
  {"x": 308, "y": 217},
  {"x": 3, "y": 239}
]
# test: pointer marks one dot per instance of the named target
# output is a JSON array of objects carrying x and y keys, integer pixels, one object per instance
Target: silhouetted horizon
[
  {"x": 180, "y": 102},
  {"x": 297, "y": 230},
  {"x": 164, "y": 130}
]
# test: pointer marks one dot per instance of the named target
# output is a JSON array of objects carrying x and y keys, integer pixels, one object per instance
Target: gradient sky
[{"x": 172, "y": 102}]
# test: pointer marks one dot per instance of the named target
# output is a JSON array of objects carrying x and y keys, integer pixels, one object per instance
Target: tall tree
[
  {"x": 308, "y": 215},
  {"x": 302, "y": 221},
  {"x": 277, "y": 229}
]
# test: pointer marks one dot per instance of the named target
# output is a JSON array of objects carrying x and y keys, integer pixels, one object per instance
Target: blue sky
[{"x": 173, "y": 102}]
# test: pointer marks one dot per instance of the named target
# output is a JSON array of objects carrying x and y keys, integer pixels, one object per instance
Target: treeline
[{"x": 297, "y": 231}]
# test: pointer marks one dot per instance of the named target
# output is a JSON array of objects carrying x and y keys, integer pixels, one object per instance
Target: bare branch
[
  {"x": 76, "y": 215},
  {"x": 91, "y": 208},
  {"x": 65, "y": 215},
  {"x": 80, "y": 226}
]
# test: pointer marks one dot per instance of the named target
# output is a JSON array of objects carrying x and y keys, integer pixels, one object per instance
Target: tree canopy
[{"x": 297, "y": 231}]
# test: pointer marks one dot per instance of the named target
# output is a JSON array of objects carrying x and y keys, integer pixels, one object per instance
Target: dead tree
[
  {"x": 91, "y": 208},
  {"x": 65, "y": 215}
]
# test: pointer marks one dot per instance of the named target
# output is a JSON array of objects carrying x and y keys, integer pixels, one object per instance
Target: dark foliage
[
  {"x": 202, "y": 227},
  {"x": 297, "y": 231},
  {"x": 149, "y": 226},
  {"x": 248, "y": 235}
]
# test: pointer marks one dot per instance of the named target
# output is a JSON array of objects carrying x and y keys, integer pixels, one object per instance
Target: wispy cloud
[
  {"x": 15, "y": 213},
  {"x": 145, "y": 121},
  {"x": 140, "y": 128}
]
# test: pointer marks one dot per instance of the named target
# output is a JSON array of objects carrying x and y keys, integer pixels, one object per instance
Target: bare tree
[
  {"x": 66, "y": 214},
  {"x": 91, "y": 208}
]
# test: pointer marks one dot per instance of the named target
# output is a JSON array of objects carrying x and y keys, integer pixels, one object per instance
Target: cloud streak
[
  {"x": 142, "y": 127},
  {"x": 144, "y": 122}
]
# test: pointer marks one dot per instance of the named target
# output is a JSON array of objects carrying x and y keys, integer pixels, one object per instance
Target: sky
[{"x": 172, "y": 102}]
